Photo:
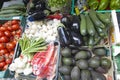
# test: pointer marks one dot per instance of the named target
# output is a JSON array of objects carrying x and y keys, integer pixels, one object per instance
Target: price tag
[{"x": 17, "y": 17}]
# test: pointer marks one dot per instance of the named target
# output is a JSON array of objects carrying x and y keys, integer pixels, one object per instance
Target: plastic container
[
  {"x": 32, "y": 76},
  {"x": 6, "y": 73}
]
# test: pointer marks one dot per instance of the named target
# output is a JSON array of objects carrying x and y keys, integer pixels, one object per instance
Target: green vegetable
[
  {"x": 115, "y": 4},
  {"x": 9, "y": 11},
  {"x": 30, "y": 46},
  {"x": 90, "y": 26},
  {"x": 103, "y": 4},
  {"x": 83, "y": 28},
  {"x": 11, "y": 14},
  {"x": 95, "y": 19},
  {"x": 57, "y": 3},
  {"x": 104, "y": 17},
  {"x": 93, "y": 4}
]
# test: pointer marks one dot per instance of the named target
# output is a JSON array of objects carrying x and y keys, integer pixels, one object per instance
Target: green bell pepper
[
  {"x": 103, "y": 4},
  {"x": 93, "y": 4},
  {"x": 115, "y": 4}
]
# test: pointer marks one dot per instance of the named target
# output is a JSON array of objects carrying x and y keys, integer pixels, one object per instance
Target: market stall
[{"x": 60, "y": 40}]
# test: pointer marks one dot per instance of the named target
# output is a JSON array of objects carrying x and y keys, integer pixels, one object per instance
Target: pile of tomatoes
[{"x": 10, "y": 32}]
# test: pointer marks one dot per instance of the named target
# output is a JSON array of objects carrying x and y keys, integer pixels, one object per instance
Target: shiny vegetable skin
[
  {"x": 90, "y": 26},
  {"x": 93, "y": 4},
  {"x": 104, "y": 17},
  {"x": 63, "y": 36},
  {"x": 115, "y": 4},
  {"x": 103, "y": 4},
  {"x": 83, "y": 26},
  {"x": 95, "y": 19}
]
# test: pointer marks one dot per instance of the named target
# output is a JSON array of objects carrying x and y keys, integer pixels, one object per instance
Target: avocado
[
  {"x": 82, "y": 64},
  {"x": 85, "y": 75},
  {"x": 101, "y": 70},
  {"x": 75, "y": 73},
  {"x": 67, "y": 61},
  {"x": 66, "y": 52},
  {"x": 99, "y": 51},
  {"x": 81, "y": 55},
  {"x": 105, "y": 63},
  {"x": 67, "y": 77},
  {"x": 74, "y": 51},
  {"x": 96, "y": 57},
  {"x": 94, "y": 63},
  {"x": 97, "y": 76},
  {"x": 65, "y": 70},
  {"x": 89, "y": 55}
]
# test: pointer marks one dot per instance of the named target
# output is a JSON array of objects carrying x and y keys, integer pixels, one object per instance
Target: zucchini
[
  {"x": 91, "y": 41},
  {"x": 11, "y": 14},
  {"x": 95, "y": 19},
  {"x": 83, "y": 26},
  {"x": 9, "y": 11},
  {"x": 13, "y": 7},
  {"x": 104, "y": 17},
  {"x": 16, "y": 5},
  {"x": 90, "y": 26},
  {"x": 100, "y": 31}
]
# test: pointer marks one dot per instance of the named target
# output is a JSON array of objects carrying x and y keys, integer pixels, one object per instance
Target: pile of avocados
[{"x": 84, "y": 64}]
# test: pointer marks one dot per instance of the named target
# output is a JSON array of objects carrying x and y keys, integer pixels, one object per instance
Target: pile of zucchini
[
  {"x": 94, "y": 27},
  {"x": 13, "y": 10}
]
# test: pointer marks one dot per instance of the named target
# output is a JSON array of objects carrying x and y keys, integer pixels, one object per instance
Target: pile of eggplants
[{"x": 69, "y": 34}]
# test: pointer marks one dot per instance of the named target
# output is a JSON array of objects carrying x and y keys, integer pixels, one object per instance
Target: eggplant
[
  {"x": 63, "y": 36},
  {"x": 40, "y": 5},
  {"x": 76, "y": 39},
  {"x": 75, "y": 24},
  {"x": 65, "y": 20}
]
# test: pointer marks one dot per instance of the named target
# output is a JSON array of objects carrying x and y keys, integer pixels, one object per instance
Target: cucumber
[
  {"x": 11, "y": 15},
  {"x": 95, "y": 19},
  {"x": 90, "y": 26},
  {"x": 16, "y": 5},
  {"x": 13, "y": 7},
  {"x": 104, "y": 17},
  {"x": 83, "y": 26},
  {"x": 9, "y": 11}
]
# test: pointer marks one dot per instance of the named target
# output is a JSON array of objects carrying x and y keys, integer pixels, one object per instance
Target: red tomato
[
  {"x": 2, "y": 58},
  {"x": 12, "y": 53},
  {"x": 15, "y": 22},
  {"x": 6, "y": 55},
  {"x": 10, "y": 46},
  {"x": 8, "y": 60},
  {"x": 5, "y": 67},
  {"x": 2, "y": 45},
  {"x": 8, "y": 23},
  {"x": 9, "y": 28},
  {"x": 19, "y": 32},
  {"x": 1, "y": 33},
  {"x": 3, "y": 28},
  {"x": 7, "y": 33},
  {"x": 2, "y": 64},
  {"x": 4, "y": 39},
  {"x": 3, "y": 51},
  {"x": 13, "y": 33},
  {"x": 14, "y": 41},
  {"x": 15, "y": 27},
  {"x": 16, "y": 36}
]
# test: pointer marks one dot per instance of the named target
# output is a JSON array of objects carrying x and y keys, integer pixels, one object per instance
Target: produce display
[
  {"x": 45, "y": 29},
  {"x": 37, "y": 58},
  {"x": 57, "y": 44},
  {"x": 10, "y": 32},
  {"x": 85, "y": 64},
  {"x": 13, "y": 10},
  {"x": 87, "y": 29}
]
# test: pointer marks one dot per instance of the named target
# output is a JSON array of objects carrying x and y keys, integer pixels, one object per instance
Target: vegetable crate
[
  {"x": 31, "y": 76},
  {"x": 74, "y": 65},
  {"x": 98, "y": 5},
  {"x": 7, "y": 53}
]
